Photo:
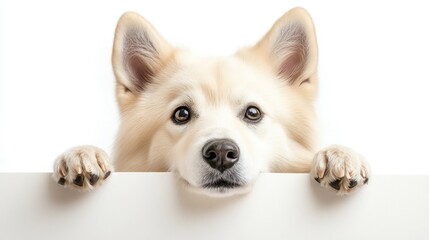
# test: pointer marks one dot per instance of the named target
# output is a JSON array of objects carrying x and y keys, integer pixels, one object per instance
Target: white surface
[
  {"x": 153, "y": 206},
  {"x": 56, "y": 82}
]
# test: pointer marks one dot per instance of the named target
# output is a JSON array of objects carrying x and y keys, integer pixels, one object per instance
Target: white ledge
[{"x": 152, "y": 206}]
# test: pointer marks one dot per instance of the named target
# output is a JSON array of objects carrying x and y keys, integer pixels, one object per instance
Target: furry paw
[
  {"x": 340, "y": 168},
  {"x": 82, "y": 168}
]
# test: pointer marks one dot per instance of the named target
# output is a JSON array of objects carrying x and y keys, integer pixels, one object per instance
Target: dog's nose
[{"x": 221, "y": 154}]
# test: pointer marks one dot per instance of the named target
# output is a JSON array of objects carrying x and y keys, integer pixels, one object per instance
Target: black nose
[{"x": 221, "y": 154}]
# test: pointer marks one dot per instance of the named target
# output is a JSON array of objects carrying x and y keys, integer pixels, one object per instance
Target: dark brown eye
[
  {"x": 181, "y": 115},
  {"x": 253, "y": 114}
]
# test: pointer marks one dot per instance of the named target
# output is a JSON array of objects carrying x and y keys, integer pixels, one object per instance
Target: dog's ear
[
  {"x": 139, "y": 53},
  {"x": 291, "y": 47}
]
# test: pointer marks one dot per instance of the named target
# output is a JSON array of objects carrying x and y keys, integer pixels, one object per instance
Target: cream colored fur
[{"x": 278, "y": 75}]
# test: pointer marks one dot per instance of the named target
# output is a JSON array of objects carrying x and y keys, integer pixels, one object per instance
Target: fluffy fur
[{"x": 277, "y": 77}]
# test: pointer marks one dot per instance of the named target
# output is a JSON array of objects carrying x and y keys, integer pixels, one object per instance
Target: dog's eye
[
  {"x": 253, "y": 114},
  {"x": 181, "y": 115}
]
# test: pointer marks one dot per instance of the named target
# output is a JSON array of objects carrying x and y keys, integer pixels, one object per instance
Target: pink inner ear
[
  {"x": 139, "y": 72},
  {"x": 292, "y": 67},
  {"x": 140, "y": 58},
  {"x": 291, "y": 51}
]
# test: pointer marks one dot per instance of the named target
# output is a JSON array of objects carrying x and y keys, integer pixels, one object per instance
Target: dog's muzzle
[
  {"x": 221, "y": 154},
  {"x": 222, "y": 176}
]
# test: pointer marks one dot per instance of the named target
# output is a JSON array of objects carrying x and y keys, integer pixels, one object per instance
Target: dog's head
[{"x": 217, "y": 122}]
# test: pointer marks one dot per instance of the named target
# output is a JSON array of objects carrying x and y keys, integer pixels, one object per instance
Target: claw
[
  {"x": 93, "y": 179},
  {"x": 62, "y": 181},
  {"x": 352, "y": 184},
  {"x": 79, "y": 180},
  {"x": 336, "y": 184},
  {"x": 107, "y": 174}
]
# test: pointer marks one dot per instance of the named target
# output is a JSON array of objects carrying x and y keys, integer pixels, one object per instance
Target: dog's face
[{"x": 217, "y": 122}]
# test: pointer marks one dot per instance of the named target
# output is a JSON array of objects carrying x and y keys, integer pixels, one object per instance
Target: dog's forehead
[{"x": 222, "y": 79}]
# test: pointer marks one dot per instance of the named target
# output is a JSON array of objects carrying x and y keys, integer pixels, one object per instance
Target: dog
[{"x": 216, "y": 122}]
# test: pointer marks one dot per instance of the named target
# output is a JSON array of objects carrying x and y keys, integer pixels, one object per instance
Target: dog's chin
[{"x": 219, "y": 188}]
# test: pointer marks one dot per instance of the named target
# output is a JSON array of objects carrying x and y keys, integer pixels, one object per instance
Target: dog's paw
[
  {"x": 82, "y": 168},
  {"x": 341, "y": 169}
]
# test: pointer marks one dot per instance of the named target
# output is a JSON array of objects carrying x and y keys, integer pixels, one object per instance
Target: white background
[{"x": 57, "y": 86}]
